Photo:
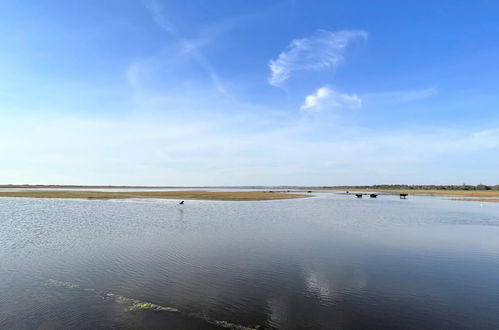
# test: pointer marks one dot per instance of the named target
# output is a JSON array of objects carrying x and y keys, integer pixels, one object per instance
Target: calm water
[{"x": 328, "y": 262}]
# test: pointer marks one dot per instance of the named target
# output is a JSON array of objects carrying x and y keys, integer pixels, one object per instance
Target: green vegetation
[
  {"x": 61, "y": 284},
  {"x": 463, "y": 187},
  {"x": 467, "y": 193},
  {"x": 477, "y": 193},
  {"x": 480, "y": 193},
  {"x": 135, "y": 305}
]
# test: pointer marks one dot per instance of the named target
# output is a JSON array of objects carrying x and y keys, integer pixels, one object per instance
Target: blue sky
[{"x": 249, "y": 92}]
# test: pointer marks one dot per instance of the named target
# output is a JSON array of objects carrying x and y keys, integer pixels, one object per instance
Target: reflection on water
[{"x": 331, "y": 261}]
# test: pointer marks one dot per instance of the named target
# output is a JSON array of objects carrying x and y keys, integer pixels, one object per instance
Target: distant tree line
[{"x": 424, "y": 187}]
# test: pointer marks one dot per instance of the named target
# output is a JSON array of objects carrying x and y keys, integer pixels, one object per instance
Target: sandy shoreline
[{"x": 187, "y": 195}]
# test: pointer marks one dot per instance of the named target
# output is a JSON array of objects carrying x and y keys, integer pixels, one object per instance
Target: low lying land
[
  {"x": 58, "y": 186},
  {"x": 451, "y": 187},
  {"x": 474, "y": 195},
  {"x": 470, "y": 193},
  {"x": 489, "y": 200},
  {"x": 197, "y": 195}
]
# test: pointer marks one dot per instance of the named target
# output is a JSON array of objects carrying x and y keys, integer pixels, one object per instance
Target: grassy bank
[
  {"x": 198, "y": 195},
  {"x": 470, "y": 193}
]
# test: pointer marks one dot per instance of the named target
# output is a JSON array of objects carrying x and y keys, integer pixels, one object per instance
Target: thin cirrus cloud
[
  {"x": 189, "y": 47},
  {"x": 400, "y": 97},
  {"x": 160, "y": 19},
  {"x": 322, "y": 50},
  {"x": 327, "y": 98}
]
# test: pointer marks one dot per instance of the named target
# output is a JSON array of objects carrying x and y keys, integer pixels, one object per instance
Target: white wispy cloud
[
  {"x": 327, "y": 98},
  {"x": 156, "y": 9},
  {"x": 400, "y": 97},
  {"x": 487, "y": 133},
  {"x": 322, "y": 50},
  {"x": 187, "y": 46}
]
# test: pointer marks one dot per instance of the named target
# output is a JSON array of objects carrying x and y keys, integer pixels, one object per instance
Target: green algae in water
[
  {"x": 60, "y": 284},
  {"x": 132, "y": 305},
  {"x": 229, "y": 325}
]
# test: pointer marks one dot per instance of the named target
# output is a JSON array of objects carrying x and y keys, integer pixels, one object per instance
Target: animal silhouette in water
[{"x": 181, "y": 203}]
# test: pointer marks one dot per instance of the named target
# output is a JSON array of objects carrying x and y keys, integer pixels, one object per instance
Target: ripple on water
[{"x": 312, "y": 263}]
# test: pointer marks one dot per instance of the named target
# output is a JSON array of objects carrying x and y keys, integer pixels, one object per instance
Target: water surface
[{"x": 331, "y": 261}]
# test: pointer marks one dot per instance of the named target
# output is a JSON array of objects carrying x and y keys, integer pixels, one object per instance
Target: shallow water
[{"x": 331, "y": 261}]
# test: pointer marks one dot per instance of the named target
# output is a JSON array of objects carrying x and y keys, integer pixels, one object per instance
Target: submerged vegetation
[
  {"x": 135, "y": 305},
  {"x": 61, "y": 284},
  {"x": 195, "y": 195}
]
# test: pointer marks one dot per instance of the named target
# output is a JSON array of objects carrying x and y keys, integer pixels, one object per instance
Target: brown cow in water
[
  {"x": 358, "y": 195},
  {"x": 373, "y": 195}
]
